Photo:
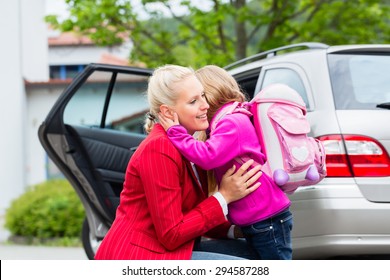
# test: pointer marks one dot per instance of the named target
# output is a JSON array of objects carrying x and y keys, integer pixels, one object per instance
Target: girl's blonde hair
[
  {"x": 220, "y": 88},
  {"x": 163, "y": 89}
]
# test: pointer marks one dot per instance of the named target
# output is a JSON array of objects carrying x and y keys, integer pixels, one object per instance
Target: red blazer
[{"x": 163, "y": 208}]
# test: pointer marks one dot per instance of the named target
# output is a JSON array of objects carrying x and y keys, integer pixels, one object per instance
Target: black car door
[{"x": 93, "y": 129}]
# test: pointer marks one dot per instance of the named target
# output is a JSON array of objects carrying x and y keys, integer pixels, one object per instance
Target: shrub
[{"x": 48, "y": 210}]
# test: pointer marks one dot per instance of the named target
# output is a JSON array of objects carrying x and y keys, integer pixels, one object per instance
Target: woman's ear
[{"x": 166, "y": 111}]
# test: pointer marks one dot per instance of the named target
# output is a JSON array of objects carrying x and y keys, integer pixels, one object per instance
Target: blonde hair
[
  {"x": 220, "y": 88},
  {"x": 163, "y": 89}
]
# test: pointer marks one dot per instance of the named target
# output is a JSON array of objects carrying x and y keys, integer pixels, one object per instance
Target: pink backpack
[{"x": 279, "y": 115}]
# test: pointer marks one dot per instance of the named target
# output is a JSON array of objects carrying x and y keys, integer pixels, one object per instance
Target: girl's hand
[{"x": 167, "y": 122}]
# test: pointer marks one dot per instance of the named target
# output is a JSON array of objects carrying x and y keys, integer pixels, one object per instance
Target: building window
[{"x": 64, "y": 72}]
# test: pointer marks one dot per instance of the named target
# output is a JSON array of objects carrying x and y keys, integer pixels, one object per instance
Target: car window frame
[
  {"x": 82, "y": 79},
  {"x": 301, "y": 74}
]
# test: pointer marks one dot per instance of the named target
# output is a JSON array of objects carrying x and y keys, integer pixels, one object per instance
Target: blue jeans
[
  {"x": 223, "y": 249},
  {"x": 271, "y": 238}
]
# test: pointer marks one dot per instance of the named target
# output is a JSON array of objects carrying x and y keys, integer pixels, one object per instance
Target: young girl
[{"x": 264, "y": 215}]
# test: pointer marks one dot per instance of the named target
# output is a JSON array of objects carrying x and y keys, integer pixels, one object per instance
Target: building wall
[
  {"x": 12, "y": 105},
  {"x": 34, "y": 41},
  {"x": 26, "y": 57},
  {"x": 23, "y": 56},
  {"x": 79, "y": 54},
  {"x": 40, "y": 98}
]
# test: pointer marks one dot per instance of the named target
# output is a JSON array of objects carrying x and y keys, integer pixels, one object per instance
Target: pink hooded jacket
[{"x": 233, "y": 136}]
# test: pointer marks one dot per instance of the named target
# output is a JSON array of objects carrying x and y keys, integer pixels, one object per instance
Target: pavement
[{"x": 25, "y": 252}]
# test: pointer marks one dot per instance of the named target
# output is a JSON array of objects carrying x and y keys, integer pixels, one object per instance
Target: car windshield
[{"x": 360, "y": 81}]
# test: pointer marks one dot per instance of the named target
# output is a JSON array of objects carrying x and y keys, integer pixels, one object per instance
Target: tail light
[{"x": 355, "y": 156}]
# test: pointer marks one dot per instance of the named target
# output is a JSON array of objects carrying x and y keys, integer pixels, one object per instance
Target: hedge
[{"x": 51, "y": 209}]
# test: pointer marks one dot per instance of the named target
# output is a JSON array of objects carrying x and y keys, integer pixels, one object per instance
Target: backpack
[{"x": 278, "y": 112}]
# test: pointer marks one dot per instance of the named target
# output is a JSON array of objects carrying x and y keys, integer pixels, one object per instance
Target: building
[{"x": 38, "y": 64}]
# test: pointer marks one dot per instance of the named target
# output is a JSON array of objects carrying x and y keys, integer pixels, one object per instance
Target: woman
[{"x": 164, "y": 206}]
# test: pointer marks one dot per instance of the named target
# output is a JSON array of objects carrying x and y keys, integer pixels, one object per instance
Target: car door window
[
  {"x": 109, "y": 102},
  {"x": 128, "y": 104},
  {"x": 288, "y": 77},
  {"x": 86, "y": 106},
  {"x": 247, "y": 81}
]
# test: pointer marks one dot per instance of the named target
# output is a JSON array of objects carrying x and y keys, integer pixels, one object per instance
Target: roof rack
[{"x": 273, "y": 52}]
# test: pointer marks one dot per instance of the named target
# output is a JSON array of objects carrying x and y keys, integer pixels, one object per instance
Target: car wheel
[{"x": 90, "y": 242}]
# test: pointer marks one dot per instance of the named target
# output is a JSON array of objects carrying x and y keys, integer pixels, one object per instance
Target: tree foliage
[{"x": 222, "y": 31}]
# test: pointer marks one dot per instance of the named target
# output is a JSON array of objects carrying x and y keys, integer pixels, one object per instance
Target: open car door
[{"x": 90, "y": 134}]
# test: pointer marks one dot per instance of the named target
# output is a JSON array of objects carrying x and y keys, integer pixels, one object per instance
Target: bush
[{"x": 48, "y": 210}]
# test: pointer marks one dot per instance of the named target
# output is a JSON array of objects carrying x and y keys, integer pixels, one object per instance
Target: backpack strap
[
  {"x": 227, "y": 109},
  {"x": 235, "y": 107}
]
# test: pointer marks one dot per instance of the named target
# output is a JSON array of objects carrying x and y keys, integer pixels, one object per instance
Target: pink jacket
[{"x": 233, "y": 136}]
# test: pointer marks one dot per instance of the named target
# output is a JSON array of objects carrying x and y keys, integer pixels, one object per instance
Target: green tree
[{"x": 223, "y": 31}]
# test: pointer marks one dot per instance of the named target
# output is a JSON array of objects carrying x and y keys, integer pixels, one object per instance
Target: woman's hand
[
  {"x": 167, "y": 122},
  {"x": 236, "y": 185}
]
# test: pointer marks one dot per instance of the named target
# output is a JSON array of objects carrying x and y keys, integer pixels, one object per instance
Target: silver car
[
  {"x": 347, "y": 93},
  {"x": 96, "y": 124}
]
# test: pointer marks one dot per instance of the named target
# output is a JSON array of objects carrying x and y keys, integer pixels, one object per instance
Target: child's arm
[{"x": 220, "y": 148}]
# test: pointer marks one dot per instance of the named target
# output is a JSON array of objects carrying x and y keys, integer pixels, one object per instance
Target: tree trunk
[{"x": 240, "y": 29}]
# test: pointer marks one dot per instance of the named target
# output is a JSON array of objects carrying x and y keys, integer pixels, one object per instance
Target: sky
[{"x": 58, "y": 7}]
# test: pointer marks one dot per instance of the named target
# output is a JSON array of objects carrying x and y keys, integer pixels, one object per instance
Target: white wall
[
  {"x": 40, "y": 99},
  {"x": 23, "y": 54},
  {"x": 12, "y": 105},
  {"x": 34, "y": 41},
  {"x": 35, "y": 68},
  {"x": 79, "y": 54}
]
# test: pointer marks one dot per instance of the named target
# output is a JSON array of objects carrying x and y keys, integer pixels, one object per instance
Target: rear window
[{"x": 359, "y": 81}]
